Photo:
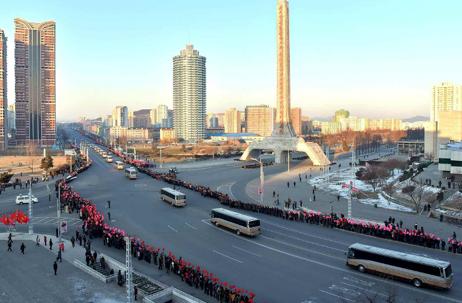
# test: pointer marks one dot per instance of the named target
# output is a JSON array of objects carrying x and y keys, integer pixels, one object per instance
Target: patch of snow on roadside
[{"x": 382, "y": 202}]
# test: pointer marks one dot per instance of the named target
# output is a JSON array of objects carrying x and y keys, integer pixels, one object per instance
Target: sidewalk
[
  {"x": 69, "y": 254},
  {"x": 30, "y": 278}
]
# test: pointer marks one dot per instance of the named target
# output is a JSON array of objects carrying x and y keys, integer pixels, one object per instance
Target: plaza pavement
[{"x": 30, "y": 277}]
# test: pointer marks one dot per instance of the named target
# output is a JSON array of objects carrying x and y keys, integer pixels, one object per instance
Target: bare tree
[
  {"x": 416, "y": 194},
  {"x": 373, "y": 175}
]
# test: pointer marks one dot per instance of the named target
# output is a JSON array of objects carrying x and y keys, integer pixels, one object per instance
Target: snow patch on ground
[
  {"x": 383, "y": 202},
  {"x": 334, "y": 183},
  {"x": 394, "y": 176}
]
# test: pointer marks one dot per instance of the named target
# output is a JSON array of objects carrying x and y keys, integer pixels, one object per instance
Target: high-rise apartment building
[
  {"x": 162, "y": 115},
  {"x": 449, "y": 126},
  {"x": 296, "y": 120},
  {"x": 232, "y": 121},
  {"x": 260, "y": 119},
  {"x": 11, "y": 125},
  {"x": 446, "y": 97},
  {"x": 153, "y": 117},
  {"x": 120, "y": 116},
  {"x": 189, "y": 95},
  {"x": 35, "y": 85},
  {"x": 141, "y": 118},
  {"x": 213, "y": 122},
  {"x": 170, "y": 118},
  {"x": 3, "y": 93},
  {"x": 131, "y": 119}
]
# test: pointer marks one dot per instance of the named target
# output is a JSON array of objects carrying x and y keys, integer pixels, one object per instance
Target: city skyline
[{"x": 335, "y": 64}]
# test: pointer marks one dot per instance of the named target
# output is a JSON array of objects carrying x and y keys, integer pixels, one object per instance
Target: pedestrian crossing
[
  {"x": 54, "y": 221},
  {"x": 353, "y": 289}
]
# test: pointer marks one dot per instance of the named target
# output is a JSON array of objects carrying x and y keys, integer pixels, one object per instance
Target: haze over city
[
  {"x": 375, "y": 58},
  {"x": 241, "y": 151}
]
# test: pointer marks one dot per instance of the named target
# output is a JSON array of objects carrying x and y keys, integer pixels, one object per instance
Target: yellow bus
[
  {"x": 414, "y": 268},
  {"x": 172, "y": 196},
  {"x": 237, "y": 222}
]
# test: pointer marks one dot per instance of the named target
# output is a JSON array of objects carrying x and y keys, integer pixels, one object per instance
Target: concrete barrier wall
[{"x": 173, "y": 295}]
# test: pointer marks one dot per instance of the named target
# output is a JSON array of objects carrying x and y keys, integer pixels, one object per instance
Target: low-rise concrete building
[{"x": 450, "y": 160}]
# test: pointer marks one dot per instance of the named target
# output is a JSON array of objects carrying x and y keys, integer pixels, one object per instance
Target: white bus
[
  {"x": 417, "y": 269},
  {"x": 235, "y": 221},
  {"x": 172, "y": 196},
  {"x": 130, "y": 173},
  {"x": 119, "y": 165}
]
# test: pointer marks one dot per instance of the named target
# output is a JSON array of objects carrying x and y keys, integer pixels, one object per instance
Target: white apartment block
[{"x": 189, "y": 95}]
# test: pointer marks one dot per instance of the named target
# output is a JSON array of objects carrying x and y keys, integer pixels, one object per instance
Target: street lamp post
[
  {"x": 288, "y": 161},
  {"x": 31, "y": 226},
  {"x": 262, "y": 178},
  {"x": 58, "y": 213},
  {"x": 160, "y": 151},
  {"x": 128, "y": 265}
]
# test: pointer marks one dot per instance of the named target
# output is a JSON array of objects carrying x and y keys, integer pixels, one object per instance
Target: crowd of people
[
  {"x": 94, "y": 226},
  {"x": 388, "y": 230}
]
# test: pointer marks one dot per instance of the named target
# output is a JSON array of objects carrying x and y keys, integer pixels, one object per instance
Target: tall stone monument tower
[{"x": 283, "y": 140}]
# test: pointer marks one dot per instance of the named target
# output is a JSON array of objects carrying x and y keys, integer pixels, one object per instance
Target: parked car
[{"x": 24, "y": 199}]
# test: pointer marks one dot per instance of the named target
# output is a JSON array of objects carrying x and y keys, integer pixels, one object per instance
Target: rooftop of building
[
  {"x": 235, "y": 135},
  {"x": 456, "y": 146}
]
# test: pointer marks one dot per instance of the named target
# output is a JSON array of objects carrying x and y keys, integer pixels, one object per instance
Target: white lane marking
[
  {"x": 226, "y": 256},
  {"x": 246, "y": 251},
  {"x": 345, "y": 291},
  {"x": 359, "y": 281},
  {"x": 50, "y": 220},
  {"x": 365, "y": 289},
  {"x": 337, "y": 296},
  {"x": 189, "y": 225},
  {"x": 39, "y": 219},
  {"x": 305, "y": 234},
  {"x": 305, "y": 241},
  {"x": 302, "y": 248},
  {"x": 172, "y": 228},
  {"x": 347, "y": 271}
]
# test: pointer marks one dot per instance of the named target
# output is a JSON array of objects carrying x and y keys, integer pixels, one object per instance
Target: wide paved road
[{"x": 289, "y": 262}]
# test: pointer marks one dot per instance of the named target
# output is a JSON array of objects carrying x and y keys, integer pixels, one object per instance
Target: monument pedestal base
[{"x": 281, "y": 145}]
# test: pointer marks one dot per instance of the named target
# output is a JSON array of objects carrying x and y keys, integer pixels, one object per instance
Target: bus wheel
[
  {"x": 361, "y": 268},
  {"x": 417, "y": 283},
  {"x": 238, "y": 232}
]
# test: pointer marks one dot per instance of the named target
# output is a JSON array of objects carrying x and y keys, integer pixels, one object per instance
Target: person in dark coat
[
  {"x": 23, "y": 247},
  {"x": 51, "y": 244},
  {"x": 55, "y": 267}
]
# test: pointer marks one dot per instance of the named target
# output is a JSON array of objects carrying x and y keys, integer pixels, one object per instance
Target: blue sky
[{"x": 373, "y": 57}]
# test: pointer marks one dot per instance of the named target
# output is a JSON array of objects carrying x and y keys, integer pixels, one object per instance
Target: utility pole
[
  {"x": 262, "y": 179},
  {"x": 128, "y": 265},
  {"x": 58, "y": 212},
  {"x": 349, "y": 199},
  {"x": 288, "y": 161},
  {"x": 31, "y": 226}
]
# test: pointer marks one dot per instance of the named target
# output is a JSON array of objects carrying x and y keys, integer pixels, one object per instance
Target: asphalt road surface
[{"x": 288, "y": 262}]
